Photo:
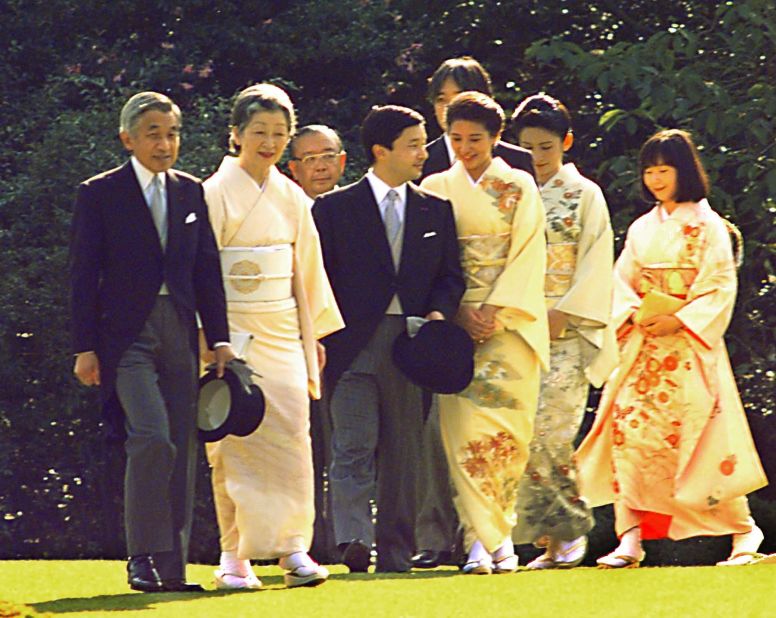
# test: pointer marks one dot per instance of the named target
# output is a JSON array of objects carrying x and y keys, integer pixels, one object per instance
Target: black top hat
[
  {"x": 440, "y": 357},
  {"x": 229, "y": 405}
]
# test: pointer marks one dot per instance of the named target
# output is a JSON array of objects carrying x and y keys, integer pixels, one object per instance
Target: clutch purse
[{"x": 657, "y": 303}]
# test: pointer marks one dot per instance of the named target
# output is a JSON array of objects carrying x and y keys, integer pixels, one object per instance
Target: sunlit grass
[{"x": 98, "y": 588}]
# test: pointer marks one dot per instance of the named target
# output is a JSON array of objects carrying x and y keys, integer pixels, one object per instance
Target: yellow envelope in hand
[{"x": 657, "y": 303}]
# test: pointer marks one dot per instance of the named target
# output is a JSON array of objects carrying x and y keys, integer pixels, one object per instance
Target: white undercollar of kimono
[
  {"x": 497, "y": 165},
  {"x": 145, "y": 176},
  {"x": 685, "y": 210},
  {"x": 380, "y": 190},
  {"x": 567, "y": 170},
  {"x": 230, "y": 165}
]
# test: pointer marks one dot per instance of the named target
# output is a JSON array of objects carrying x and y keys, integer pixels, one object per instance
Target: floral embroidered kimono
[
  {"x": 579, "y": 283},
  {"x": 670, "y": 441},
  {"x": 487, "y": 427},
  {"x": 263, "y": 483}
]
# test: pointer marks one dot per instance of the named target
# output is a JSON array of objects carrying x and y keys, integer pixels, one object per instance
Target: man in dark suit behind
[
  {"x": 390, "y": 251},
  {"x": 143, "y": 261},
  {"x": 437, "y": 521},
  {"x": 454, "y": 76}
]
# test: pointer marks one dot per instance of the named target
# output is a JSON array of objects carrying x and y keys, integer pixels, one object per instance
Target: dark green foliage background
[{"x": 66, "y": 67}]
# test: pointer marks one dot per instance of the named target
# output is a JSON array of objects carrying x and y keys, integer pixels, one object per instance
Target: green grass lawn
[{"x": 98, "y": 588}]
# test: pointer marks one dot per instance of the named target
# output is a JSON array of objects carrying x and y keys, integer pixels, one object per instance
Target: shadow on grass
[
  {"x": 140, "y": 601},
  {"x": 123, "y": 602},
  {"x": 409, "y": 575}
]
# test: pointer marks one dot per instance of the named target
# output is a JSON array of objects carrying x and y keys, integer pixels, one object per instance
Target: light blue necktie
[
  {"x": 158, "y": 210},
  {"x": 391, "y": 216}
]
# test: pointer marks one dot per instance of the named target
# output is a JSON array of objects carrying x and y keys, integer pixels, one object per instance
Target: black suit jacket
[
  {"x": 360, "y": 267},
  {"x": 117, "y": 265},
  {"x": 439, "y": 161}
]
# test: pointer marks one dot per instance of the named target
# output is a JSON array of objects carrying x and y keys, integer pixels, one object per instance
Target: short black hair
[
  {"x": 476, "y": 107},
  {"x": 465, "y": 71},
  {"x": 384, "y": 124},
  {"x": 675, "y": 147},
  {"x": 541, "y": 111}
]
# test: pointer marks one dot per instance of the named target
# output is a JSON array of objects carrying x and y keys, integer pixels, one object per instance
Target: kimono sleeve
[
  {"x": 214, "y": 197},
  {"x": 712, "y": 295},
  {"x": 626, "y": 272},
  {"x": 322, "y": 306},
  {"x": 588, "y": 300},
  {"x": 519, "y": 288}
]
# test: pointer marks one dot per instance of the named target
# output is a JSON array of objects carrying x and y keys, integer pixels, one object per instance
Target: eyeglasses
[{"x": 327, "y": 158}]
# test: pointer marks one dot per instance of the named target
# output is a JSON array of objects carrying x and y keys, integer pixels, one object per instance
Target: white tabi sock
[{"x": 232, "y": 565}]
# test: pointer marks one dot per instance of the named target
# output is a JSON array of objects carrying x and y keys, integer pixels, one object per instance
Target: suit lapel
[
  {"x": 413, "y": 226},
  {"x": 369, "y": 224},
  {"x": 174, "y": 213}
]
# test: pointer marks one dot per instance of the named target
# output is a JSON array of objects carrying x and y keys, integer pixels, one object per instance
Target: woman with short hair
[
  {"x": 487, "y": 427},
  {"x": 277, "y": 290},
  {"x": 670, "y": 446},
  {"x": 578, "y": 292}
]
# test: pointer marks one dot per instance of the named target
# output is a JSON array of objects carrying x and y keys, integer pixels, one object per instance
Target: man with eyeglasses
[
  {"x": 317, "y": 162},
  {"x": 317, "y": 159}
]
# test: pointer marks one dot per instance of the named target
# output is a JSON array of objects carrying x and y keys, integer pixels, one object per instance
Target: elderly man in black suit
[
  {"x": 390, "y": 251},
  {"x": 143, "y": 263}
]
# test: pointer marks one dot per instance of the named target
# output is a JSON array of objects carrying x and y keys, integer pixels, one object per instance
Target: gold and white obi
[
  {"x": 258, "y": 278},
  {"x": 561, "y": 264},
  {"x": 483, "y": 258},
  {"x": 669, "y": 278}
]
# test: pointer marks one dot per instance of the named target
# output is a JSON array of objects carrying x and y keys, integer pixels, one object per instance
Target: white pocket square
[
  {"x": 191, "y": 217},
  {"x": 429, "y": 234}
]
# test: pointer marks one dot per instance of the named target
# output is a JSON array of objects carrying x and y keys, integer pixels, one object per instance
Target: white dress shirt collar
[
  {"x": 380, "y": 190},
  {"x": 145, "y": 176}
]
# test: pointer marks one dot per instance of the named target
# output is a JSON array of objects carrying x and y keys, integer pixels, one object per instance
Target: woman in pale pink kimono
[
  {"x": 277, "y": 291},
  {"x": 670, "y": 445},
  {"x": 578, "y": 292},
  {"x": 487, "y": 427}
]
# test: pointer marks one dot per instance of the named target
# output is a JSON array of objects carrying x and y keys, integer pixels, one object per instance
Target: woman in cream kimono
[
  {"x": 670, "y": 445},
  {"x": 278, "y": 292},
  {"x": 578, "y": 292},
  {"x": 487, "y": 427}
]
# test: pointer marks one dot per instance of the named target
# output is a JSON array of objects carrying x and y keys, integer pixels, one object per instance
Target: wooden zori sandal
[
  {"x": 742, "y": 558},
  {"x": 619, "y": 561}
]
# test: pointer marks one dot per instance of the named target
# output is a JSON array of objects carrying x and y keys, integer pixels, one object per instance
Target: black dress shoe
[
  {"x": 430, "y": 559},
  {"x": 180, "y": 585},
  {"x": 142, "y": 575},
  {"x": 356, "y": 556}
]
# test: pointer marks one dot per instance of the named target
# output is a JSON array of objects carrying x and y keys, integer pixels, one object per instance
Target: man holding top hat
[
  {"x": 143, "y": 260},
  {"x": 390, "y": 251}
]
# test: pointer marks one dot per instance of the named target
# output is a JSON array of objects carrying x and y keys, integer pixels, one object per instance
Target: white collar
[
  {"x": 144, "y": 175},
  {"x": 380, "y": 188}
]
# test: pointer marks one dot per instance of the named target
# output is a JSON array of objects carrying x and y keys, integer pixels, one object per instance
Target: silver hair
[
  {"x": 260, "y": 98},
  {"x": 143, "y": 102},
  {"x": 315, "y": 128}
]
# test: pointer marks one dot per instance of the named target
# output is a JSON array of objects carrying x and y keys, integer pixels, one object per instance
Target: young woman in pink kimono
[
  {"x": 583, "y": 349},
  {"x": 670, "y": 445},
  {"x": 487, "y": 427},
  {"x": 277, "y": 291}
]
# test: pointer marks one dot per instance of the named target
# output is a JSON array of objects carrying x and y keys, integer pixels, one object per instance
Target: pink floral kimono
[{"x": 671, "y": 441}]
